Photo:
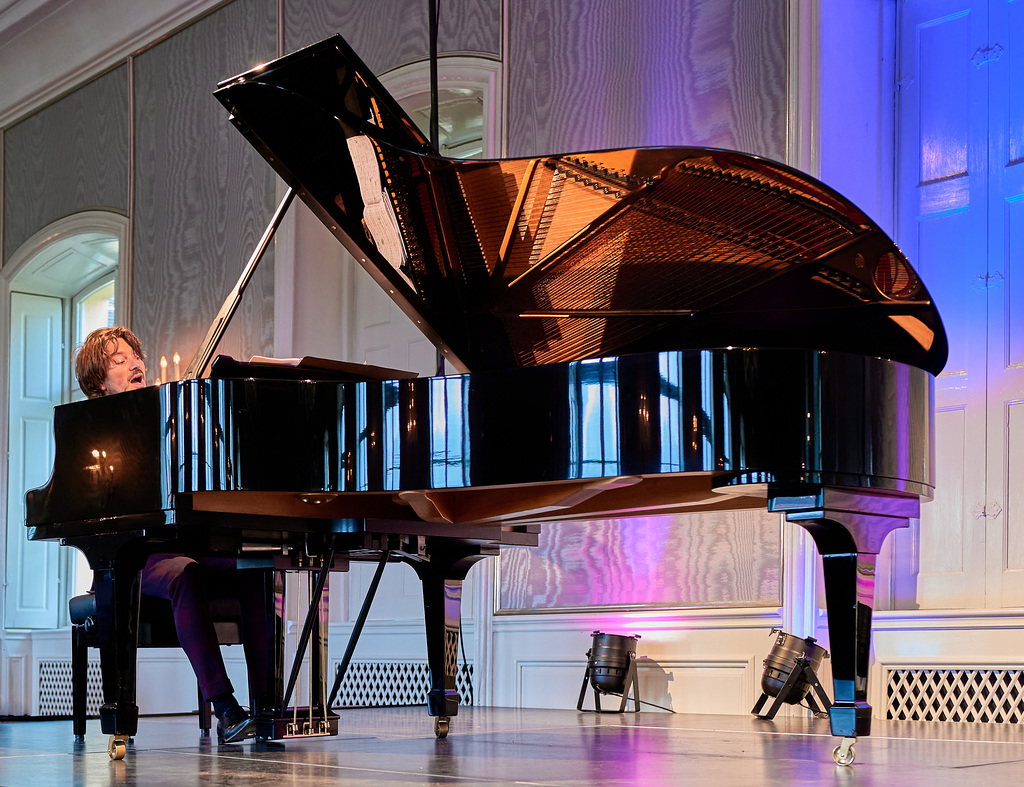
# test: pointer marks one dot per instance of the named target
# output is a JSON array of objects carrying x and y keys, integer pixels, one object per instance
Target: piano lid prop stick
[
  {"x": 357, "y": 629},
  {"x": 230, "y": 305}
]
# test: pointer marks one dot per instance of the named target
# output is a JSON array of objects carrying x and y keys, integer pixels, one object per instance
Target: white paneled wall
[{"x": 696, "y": 662}]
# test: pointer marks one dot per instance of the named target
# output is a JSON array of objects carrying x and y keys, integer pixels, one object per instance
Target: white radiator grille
[
  {"x": 55, "y": 688},
  {"x": 377, "y": 684},
  {"x": 972, "y": 695},
  {"x": 367, "y": 684}
]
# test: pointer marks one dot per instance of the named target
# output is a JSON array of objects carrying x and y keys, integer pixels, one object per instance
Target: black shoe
[
  {"x": 262, "y": 705},
  {"x": 235, "y": 725}
]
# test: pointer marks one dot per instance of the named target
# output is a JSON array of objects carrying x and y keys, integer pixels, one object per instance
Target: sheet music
[{"x": 378, "y": 213}]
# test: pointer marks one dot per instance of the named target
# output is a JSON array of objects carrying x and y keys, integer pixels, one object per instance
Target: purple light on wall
[
  {"x": 645, "y": 543},
  {"x": 727, "y": 558},
  {"x": 649, "y": 626}
]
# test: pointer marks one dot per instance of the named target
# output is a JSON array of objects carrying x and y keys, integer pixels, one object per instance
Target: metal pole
[{"x": 358, "y": 627}]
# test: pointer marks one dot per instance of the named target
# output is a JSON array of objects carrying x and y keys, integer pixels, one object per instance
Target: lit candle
[
  {"x": 177, "y": 360},
  {"x": 163, "y": 369}
]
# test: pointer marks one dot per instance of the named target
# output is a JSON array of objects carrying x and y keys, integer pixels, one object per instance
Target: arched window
[
  {"x": 470, "y": 111},
  {"x": 470, "y": 122},
  {"x": 62, "y": 283}
]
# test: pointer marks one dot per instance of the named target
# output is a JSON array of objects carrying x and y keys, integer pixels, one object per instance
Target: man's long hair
[{"x": 93, "y": 357}]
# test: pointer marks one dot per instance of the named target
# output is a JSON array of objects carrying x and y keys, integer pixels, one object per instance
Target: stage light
[
  {"x": 790, "y": 673},
  {"x": 611, "y": 669}
]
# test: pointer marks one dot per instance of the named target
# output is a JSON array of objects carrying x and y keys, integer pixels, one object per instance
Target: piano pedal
[
  {"x": 295, "y": 723},
  {"x": 306, "y": 729}
]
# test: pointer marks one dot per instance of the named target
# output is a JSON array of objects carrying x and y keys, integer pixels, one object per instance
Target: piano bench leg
[
  {"x": 79, "y": 680},
  {"x": 204, "y": 715}
]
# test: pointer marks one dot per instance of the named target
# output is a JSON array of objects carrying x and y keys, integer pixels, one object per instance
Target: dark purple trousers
[{"x": 188, "y": 583}]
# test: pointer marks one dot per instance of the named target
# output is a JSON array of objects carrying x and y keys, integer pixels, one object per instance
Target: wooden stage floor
[{"x": 487, "y": 746}]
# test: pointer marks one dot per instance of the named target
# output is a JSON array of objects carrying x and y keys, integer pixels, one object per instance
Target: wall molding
[
  {"x": 738, "y": 669},
  {"x": 947, "y": 620},
  {"x": 804, "y": 85},
  {"x": 648, "y": 620},
  {"x": 14, "y": 660},
  {"x": 85, "y": 39}
]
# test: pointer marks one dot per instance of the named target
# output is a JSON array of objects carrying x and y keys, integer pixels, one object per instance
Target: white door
[
  {"x": 382, "y": 335},
  {"x": 1001, "y": 58},
  {"x": 960, "y": 222},
  {"x": 35, "y": 383}
]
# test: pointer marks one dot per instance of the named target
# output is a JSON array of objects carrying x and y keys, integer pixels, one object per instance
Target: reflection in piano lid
[{"x": 520, "y": 262}]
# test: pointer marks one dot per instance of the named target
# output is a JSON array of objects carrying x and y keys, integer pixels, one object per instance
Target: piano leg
[
  {"x": 849, "y": 595},
  {"x": 442, "y": 575},
  {"x": 117, "y": 617},
  {"x": 848, "y": 528}
]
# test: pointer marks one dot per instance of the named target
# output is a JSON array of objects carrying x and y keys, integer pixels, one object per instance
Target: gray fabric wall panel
[
  {"x": 390, "y": 33},
  {"x": 609, "y": 74},
  {"x": 202, "y": 195},
  {"x": 68, "y": 157}
]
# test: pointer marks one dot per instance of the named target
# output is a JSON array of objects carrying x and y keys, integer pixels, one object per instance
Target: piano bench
[{"x": 156, "y": 630}]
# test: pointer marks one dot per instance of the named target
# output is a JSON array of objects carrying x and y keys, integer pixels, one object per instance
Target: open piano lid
[{"x": 519, "y": 262}]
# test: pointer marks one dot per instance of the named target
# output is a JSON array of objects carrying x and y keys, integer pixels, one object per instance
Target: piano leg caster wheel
[
  {"x": 116, "y": 747},
  {"x": 441, "y": 724},
  {"x": 844, "y": 754}
]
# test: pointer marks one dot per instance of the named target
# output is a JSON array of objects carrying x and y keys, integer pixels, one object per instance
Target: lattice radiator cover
[
  {"x": 378, "y": 684},
  {"x": 55, "y": 688},
  {"x": 971, "y": 695},
  {"x": 374, "y": 684}
]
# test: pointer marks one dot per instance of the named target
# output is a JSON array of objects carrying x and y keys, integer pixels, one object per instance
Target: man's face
[{"x": 125, "y": 370}]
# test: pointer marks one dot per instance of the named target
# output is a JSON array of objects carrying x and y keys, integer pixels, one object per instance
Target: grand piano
[{"x": 625, "y": 332}]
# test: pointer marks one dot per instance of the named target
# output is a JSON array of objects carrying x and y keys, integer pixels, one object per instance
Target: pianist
[{"x": 111, "y": 361}]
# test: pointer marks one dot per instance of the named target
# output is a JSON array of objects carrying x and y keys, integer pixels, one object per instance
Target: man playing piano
[{"x": 111, "y": 361}]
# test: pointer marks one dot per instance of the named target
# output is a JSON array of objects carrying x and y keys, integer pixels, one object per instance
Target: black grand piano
[{"x": 629, "y": 331}]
